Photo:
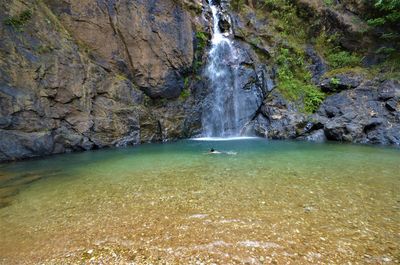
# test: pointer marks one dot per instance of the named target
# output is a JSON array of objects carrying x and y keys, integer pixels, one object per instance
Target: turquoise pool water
[{"x": 273, "y": 202}]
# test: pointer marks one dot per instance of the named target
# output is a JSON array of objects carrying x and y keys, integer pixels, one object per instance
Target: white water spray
[{"x": 220, "y": 118}]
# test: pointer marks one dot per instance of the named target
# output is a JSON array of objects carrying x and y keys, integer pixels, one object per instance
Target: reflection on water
[{"x": 273, "y": 202}]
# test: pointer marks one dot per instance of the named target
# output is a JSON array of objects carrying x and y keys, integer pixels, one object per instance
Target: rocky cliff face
[
  {"x": 361, "y": 103},
  {"x": 79, "y": 75}
]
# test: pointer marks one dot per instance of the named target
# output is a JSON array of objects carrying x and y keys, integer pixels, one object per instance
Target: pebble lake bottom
[{"x": 274, "y": 202}]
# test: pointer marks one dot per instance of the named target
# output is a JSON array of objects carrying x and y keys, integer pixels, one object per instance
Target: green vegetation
[
  {"x": 385, "y": 17},
  {"x": 335, "y": 56},
  {"x": 354, "y": 70},
  {"x": 329, "y": 2},
  {"x": 389, "y": 69},
  {"x": 17, "y": 22},
  {"x": 335, "y": 81},
  {"x": 237, "y": 5},
  {"x": 294, "y": 80},
  {"x": 286, "y": 21},
  {"x": 201, "y": 44},
  {"x": 291, "y": 28},
  {"x": 185, "y": 93},
  {"x": 339, "y": 59},
  {"x": 388, "y": 12},
  {"x": 42, "y": 49},
  {"x": 120, "y": 77},
  {"x": 289, "y": 31}
]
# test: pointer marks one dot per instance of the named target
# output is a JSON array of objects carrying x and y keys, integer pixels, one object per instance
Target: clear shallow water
[{"x": 273, "y": 202}]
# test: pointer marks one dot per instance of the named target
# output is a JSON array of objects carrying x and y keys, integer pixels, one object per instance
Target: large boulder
[
  {"x": 17, "y": 145},
  {"x": 278, "y": 119},
  {"x": 367, "y": 114}
]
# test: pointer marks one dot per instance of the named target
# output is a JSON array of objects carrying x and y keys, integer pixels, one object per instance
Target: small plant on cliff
[
  {"x": 329, "y": 2},
  {"x": 237, "y": 5},
  {"x": 185, "y": 93},
  {"x": 335, "y": 81},
  {"x": 313, "y": 98},
  {"x": 17, "y": 22},
  {"x": 201, "y": 44}
]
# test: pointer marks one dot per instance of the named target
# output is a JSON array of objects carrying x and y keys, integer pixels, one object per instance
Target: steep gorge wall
[{"x": 78, "y": 75}]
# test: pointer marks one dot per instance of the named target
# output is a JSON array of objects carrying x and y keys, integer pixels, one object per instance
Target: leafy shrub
[
  {"x": 343, "y": 59},
  {"x": 335, "y": 56},
  {"x": 185, "y": 93},
  {"x": 329, "y": 2},
  {"x": 313, "y": 98},
  {"x": 17, "y": 22},
  {"x": 335, "y": 81},
  {"x": 294, "y": 80},
  {"x": 385, "y": 15},
  {"x": 387, "y": 12}
]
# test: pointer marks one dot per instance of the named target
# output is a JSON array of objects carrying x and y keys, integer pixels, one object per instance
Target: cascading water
[
  {"x": 221, "y": 116},
  {"x": 237, "y": 82}
]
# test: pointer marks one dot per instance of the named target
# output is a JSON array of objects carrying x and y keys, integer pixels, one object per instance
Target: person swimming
[{"x": 213, "y": 151}]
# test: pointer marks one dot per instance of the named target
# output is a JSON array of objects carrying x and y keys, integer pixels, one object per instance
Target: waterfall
[{"x": 221, "y": 116}]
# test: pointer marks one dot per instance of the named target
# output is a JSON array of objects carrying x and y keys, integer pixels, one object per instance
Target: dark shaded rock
[
  {"x": 257, "y": 127},
  {"x": 367, "y": 114},
  {"x": 265, "y": 78},
  {"x": 318, "y": 67},
  {"x": 393, "y": 105},
  {"x": 282, "y": 120},
  {"x": 389, "y": 89},
  {"x": 316, "y": 136},
  {"x": 16, "y": 145},
  {"x": 224, "y": 24},
  {"x": 340, "y": 82}
]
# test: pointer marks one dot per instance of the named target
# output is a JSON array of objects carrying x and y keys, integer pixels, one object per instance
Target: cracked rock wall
[{"x": 79, "y": 75}]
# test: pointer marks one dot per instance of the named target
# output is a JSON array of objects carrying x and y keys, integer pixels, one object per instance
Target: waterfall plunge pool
[{"x": 274, "y": 202}]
